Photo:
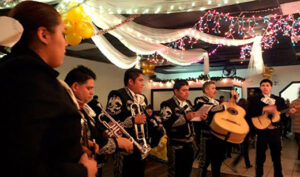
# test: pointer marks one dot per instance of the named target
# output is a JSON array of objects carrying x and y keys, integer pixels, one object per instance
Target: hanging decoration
[
  {"x": 147, "y": 41},
  {"x": 201, "y": 78},
  {"x": 245, "y": 27},
  {"x": 78, "y": 25},
  {"x": 245, "y": 52},
  {"x": 267, "y": 73},
  {"x": 157, "y": 6},
  {"x": 128, "y": 19},
  {"x": 147, "y": 68},
  {"x": 156, "y": 59}
]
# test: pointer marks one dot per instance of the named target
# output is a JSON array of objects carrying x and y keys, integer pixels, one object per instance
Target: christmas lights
[
  {"x": 199, "y": 80},
  {"x": 157, "y": 6}
]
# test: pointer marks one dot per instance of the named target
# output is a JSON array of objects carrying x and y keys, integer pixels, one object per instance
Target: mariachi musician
[
  {"x": 211, "y": 148},
  {"x": 127, "y": 106},
  {"x": 176, "y": 115},
  {"x": 80, "y": 87},
  {"x": 267, "y": 102}
]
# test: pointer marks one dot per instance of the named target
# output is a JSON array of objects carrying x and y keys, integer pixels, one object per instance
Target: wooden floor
[{"x": 291, "y": 166}]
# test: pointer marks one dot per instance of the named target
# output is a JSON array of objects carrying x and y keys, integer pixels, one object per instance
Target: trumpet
[
  {"x": 116, "y": 127},
  {"x": 139, "y": 128}
]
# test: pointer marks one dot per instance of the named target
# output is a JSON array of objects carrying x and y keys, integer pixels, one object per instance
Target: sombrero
[{"x": 10, "y": 32}]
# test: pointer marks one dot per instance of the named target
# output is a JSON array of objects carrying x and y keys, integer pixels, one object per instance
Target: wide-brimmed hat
[{"x": 10, "y": 32}]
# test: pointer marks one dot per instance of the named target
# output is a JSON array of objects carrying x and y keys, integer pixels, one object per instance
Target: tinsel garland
[{"x": 201, "y": 77}]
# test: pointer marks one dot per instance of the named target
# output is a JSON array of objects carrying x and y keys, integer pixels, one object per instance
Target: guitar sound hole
[
  {"x": 232, "y": 111},
  {"x": 270, "y": 116}
]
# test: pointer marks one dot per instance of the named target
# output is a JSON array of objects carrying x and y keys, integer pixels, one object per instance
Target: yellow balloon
[
  {"x": 271, "y": 70},
  {"x": 84, "y": 29},
  {"x": 86, "y": 18},
  {"x": 69, "y": 26},
  {"x": 144, "y": 72},
  {"x": 73, "y": 39},
  {"x": 72, "y": 4},
  {"x": 148, "y": 71},
  {"x": 266, "y": 75},
  {"x": 144, "y": 64},
  {"x": 151, "y": 66},
  {"x": 75, "y": 14},
  {"x": 151, "y": 72}
]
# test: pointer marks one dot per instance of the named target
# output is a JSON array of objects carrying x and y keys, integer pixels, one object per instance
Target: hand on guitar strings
[
  {"x": 291, "y": 111},
  {"x": 270, "y": 109}
]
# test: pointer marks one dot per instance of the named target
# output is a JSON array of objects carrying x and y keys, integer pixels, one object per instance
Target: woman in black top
[{"x": 41, "y": 126}]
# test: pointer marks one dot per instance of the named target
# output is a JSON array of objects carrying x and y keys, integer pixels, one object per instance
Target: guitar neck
[{"x": 287, "y": 109}]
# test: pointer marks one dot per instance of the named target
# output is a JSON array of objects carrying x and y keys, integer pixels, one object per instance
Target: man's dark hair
[
  {"x": 207, "y": 84},
  {"x": 266, "y": 80},
  {"x": 179, "y": 83},
  {"x": 132, "y": 73},
  {"x": 80, "y": 74},
  {"x": 149, "y": 107}
]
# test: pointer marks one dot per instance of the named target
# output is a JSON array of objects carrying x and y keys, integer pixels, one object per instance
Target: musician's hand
[
  {"x": 270, "y": 109},
  {"x": 94, "y": 145},
  {"x": 125, "y": 143},
  {"x": 140, "y": 118},
  {"x": 204, "y": 116},
  {"x": 292, "y": 111},
  {"x": 87, "y": 151},
  {"x": 90, "y": 164},
  {"x": 190, "y": 115}
]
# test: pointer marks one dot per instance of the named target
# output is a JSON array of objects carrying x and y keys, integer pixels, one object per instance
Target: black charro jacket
[{"x": 40, "y": 124}]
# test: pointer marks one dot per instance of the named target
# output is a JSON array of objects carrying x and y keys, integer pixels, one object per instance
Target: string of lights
[
  {"x": 196, "y": 81},
  {"x": 128, "y": 19}
]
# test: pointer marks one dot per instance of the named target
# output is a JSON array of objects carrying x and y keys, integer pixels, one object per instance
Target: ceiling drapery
[
  {"x": 144, "y": 47},
  {"x": 156, "y": 6},
  {"x": 145, "y": 40}
]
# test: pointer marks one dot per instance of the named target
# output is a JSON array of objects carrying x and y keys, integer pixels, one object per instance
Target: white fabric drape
[
  {"x": 116, "y": 57},
  {"x": 157, "y": 6},
  {"x": 142, "y": 47},
  {"x": 154, "y": 35},
  {"x": 256, "y": 63},
  {"x": 145, "y": 40}
]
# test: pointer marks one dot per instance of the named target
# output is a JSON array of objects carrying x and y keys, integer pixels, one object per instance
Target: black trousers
[
  {"x": 297, "y": 137},
  {"x": 129, "y": 165},
  {"x": 212, "y": 151},
  {"x": 244, "y": 153},
  {"x": 180, "y": 159},
  {"x": 271, "y": 138}
]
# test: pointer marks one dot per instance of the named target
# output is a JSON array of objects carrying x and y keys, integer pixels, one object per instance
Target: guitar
[
  {"x": 230, "y": 125},
  {"x": 263, "y": 121}
]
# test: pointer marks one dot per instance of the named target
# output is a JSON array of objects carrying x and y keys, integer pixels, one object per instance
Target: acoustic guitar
[
  {"x": 263, "y": 121},
  {"x": 230, "y": 125}
]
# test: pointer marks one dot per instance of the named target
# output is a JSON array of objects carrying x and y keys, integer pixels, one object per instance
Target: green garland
[{"x": 201, "y": 77}]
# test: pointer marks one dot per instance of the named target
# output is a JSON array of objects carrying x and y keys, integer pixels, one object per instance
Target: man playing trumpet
[{"x": 81, "y": 81}]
